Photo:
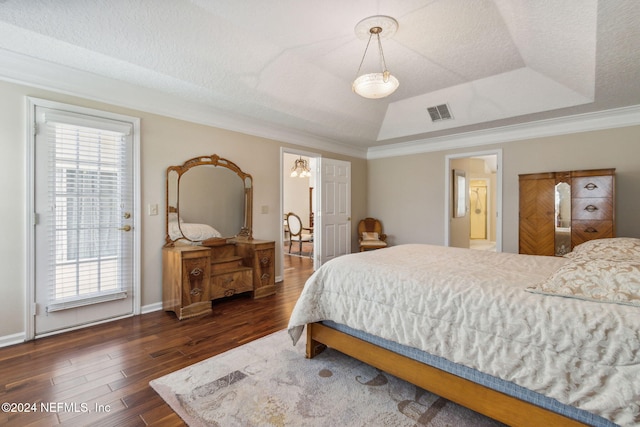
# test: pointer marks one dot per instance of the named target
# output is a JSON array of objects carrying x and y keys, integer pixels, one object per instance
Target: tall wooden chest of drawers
[
  {"x": 542, "y": 231},
  {"x": 592, "y": 205}
]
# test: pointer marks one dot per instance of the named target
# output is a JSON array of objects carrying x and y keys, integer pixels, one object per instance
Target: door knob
[{"x": 125, "y": 228}]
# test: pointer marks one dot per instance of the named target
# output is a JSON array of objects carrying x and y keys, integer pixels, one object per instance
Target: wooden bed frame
[{"x": 494, "y": 404}]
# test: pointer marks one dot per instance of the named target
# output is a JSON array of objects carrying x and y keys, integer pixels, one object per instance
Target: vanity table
[{"x": 206, "y": 202}]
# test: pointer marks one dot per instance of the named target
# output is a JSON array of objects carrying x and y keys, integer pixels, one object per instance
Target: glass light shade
[
  {"x": 373, "y": 85},
  {"x": 300, "y": 168}
]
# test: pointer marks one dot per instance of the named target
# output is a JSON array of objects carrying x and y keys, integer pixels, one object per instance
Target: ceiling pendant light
[
  {"x": 300, "y": 168},
  {"x": 375, "y": 85}
]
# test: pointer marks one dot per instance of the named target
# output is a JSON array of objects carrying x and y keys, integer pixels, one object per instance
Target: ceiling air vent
[{"x": 439, "y": 112}]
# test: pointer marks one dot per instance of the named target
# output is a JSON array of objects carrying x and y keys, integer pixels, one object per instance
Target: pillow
[
  {"x": 172, "y": 216},
  {"x": 369, "y": 236},
  {"x": 618, "y": 248},
  {"x": 598, "y": 279}
]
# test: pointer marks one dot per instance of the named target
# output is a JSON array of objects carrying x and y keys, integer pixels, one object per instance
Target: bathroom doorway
[{"x": 479, "y": 224}]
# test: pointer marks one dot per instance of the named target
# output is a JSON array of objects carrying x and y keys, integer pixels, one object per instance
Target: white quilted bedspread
[{"x": 471, "y": 307}]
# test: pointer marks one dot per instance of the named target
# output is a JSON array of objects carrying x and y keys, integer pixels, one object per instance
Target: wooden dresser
[
  {"x": 592, "y": 205},
  {"x": 193, "y": 276},
  {"x": 260, "y": 255},
  {"x": 546, "y": 229},
  {"x": 185, "y": 280}
]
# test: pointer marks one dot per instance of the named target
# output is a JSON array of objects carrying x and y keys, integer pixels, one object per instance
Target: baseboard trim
[
  {"x": 156, "y": 306},
  {"x": 8, "y": 340}
]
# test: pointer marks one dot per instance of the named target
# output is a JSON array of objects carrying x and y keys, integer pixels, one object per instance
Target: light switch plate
[{"x": 153, "y": 209}]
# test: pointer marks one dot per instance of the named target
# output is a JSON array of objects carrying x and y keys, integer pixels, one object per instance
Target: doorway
[
  {"x": 84, "y": 192},
  {"x": 326, "y": 196},
  {"x": 298, "y": 197},
  {"x": 479, "y": 224}
]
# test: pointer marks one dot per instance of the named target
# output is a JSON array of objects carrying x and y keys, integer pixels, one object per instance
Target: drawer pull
[
  {"x": 228, "y": 280},
  {"x": 229, "y": 292},
  {"x": 590, "y": 230},
  {"x": 196, "y": 271},
  {"x": 264, "y": 261},
  {"x": 591, "y": 186},
  {"x": 590, "y": 208},
  {"x": 195, "y": 292}
]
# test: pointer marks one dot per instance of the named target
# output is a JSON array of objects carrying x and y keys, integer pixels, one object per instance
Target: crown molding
[
  {"x": 21, "y": 69},
  {"x": 29, "y": 71},
  {"x": 607, "y": 119}
]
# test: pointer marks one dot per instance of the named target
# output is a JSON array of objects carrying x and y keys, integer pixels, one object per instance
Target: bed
[
  {"x": 178, "y": 229},
  {"x": 527, "y": 340}
]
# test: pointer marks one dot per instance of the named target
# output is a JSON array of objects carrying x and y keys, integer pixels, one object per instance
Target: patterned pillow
[
  {"x": 618, "y": 248},
  {"x": 370, "y": 236},
  {"x": 601, "y": 280}
]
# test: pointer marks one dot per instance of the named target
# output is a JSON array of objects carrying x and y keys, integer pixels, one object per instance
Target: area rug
[{"x": 268, "y": 382}]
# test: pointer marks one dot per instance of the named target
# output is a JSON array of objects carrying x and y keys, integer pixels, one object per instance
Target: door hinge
[
  {"x": 34, "y": 309},
  {"x": 36, "y": 218}
]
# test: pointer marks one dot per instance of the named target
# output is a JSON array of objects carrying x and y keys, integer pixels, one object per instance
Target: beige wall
[
  {"x": 407, "y": 193},
  {"x": 164, "y": 142}
]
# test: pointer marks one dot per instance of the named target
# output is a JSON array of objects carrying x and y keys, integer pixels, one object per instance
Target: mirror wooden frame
[{"x": 172, "y": 195}]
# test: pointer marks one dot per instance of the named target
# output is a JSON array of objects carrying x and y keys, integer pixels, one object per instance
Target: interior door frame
[
  {"x": 30, "y": 305},
  {"x": 448, "y": 192},
  {"x": 316, "y": 199}
]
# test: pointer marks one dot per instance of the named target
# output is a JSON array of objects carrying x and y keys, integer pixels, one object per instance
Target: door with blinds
[{"x": 83, "y": 221}]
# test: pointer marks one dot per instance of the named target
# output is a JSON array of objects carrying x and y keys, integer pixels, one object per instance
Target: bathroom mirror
[
  {"x": 459, "y": 193},
  {"x": 562, "y": 218},
  {"x": 208, "y": 197}
]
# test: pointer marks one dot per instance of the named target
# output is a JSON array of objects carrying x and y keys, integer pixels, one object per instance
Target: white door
[
  {"x": 334, "y": 219},
  {"x": 84, "y": 219}
]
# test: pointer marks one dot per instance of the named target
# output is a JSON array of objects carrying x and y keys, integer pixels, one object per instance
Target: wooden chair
[
  {"x": 370, "y": 235},
  {"x": 297, "y": 233}
]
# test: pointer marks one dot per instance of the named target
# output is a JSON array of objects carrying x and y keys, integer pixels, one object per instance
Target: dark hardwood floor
[{"x": 100, "y": 375}]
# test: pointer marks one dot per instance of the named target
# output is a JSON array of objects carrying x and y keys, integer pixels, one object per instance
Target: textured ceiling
[{"x": 289, "y": 64}]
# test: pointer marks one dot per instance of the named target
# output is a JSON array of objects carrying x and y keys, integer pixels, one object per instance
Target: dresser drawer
[
  {"x": 592, "y": 186},
  {"x": 589, "y": 208},
  {"x": 265, "y": 266},
  {"x": 583, "y": 230},
  {"x": 231, "y": 283},
  {"x": 195, "y": 288}
]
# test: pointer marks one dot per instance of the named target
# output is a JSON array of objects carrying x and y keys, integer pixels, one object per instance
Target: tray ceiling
[{"x": 289, "y": 64}]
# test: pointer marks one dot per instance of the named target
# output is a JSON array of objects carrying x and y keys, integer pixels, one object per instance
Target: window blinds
[{"x": 89, "y": 192}]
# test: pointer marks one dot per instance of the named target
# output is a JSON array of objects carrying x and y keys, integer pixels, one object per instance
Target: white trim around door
[{"x": 448, "y": 192}]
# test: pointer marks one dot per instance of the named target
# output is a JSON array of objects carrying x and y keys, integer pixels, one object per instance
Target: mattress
[{"x": 471, "y": 308}]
